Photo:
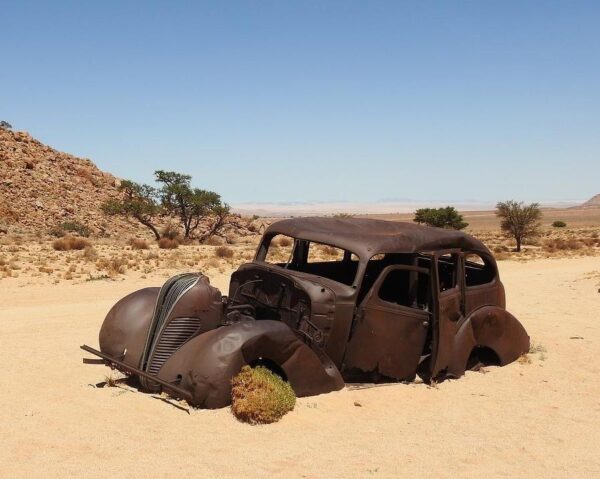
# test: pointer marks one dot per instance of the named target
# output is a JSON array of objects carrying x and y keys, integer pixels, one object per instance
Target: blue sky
[{"x": 316, "y": 101}]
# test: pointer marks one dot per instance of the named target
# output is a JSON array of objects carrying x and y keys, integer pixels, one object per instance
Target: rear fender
[
  {"x": 206, "y": 364},
  {"x": 491, "y": 327}
]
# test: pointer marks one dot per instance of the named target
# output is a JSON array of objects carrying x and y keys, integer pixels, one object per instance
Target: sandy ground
[{"x": 529, "y": 419}]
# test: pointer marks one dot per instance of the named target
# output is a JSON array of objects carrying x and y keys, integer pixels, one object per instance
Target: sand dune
[{"x": 526, "y": 420}]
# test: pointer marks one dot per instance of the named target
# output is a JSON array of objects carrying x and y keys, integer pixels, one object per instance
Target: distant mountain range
[{"x": 390, "y": 206}]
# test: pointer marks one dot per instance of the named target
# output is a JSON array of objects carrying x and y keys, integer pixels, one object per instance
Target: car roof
[{"x": 367, "y": 237}]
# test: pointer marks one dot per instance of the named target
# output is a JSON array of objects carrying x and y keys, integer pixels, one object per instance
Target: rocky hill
[
  {"x": 593, "y": 202},
  {"x": 41, "y": 187}
]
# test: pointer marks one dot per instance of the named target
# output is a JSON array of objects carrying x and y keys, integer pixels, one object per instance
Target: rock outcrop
[
  {"x": 41, "y": 187},
  {"x": 593, "y": 202}
]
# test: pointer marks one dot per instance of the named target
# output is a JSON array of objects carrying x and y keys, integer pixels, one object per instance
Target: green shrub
[
  {"x": 446, "y": 217},
  {"x": 259, "y": 396},
  {"x": 559, "y": 224},
  {"x": 70, "y": 227}
]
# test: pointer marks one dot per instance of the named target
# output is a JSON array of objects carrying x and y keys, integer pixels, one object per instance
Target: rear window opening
[{"x": 478, "y": 270}]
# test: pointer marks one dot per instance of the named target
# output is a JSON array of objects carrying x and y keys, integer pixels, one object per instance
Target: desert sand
[{"x": 539, "y": 417}]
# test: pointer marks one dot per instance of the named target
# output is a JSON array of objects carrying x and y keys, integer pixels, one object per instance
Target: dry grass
[
  {"x": 113, "y": 266},
  {"x": 90, "y": 254},
  {"x": 68, "y": 243},
  {"x": 31, "y": 258},
  {"x": 168, "y": 243},
  {"x": 224, "y": 252},
  {"x": 282, "y": 241},
  {"x": 214, "y": 241},
  {"x": 259, "y": 396},
  {"x": 138, "y": 243}
]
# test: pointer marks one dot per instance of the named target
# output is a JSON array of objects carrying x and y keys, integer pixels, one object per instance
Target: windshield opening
[{"x": 311, "y": 257}]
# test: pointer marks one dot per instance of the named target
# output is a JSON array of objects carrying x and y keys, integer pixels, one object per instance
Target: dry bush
[
  {"x": 113, "y": 266},
  {"x": 224, "y": 252},
  {"x": 138, "y": 243},
  {"x": 330, "y": 251},
  {"x": 67, "y": 227},
  {"x": 151, "y": 255},
  {"x": 589, "y": 242},
  {"x": 282, "y": 241},
  {"x": 90, "y": 254},
  {"x": 212, "y": 263},
  {"x": 213, "y": 241},
  {"x": 68, "y": 243},
  {"x": 560, "y": 244},
  {"x": 259, "y": 396},
  {"x": 168, "y": 243},
  {"x": 170, "y": 232}
]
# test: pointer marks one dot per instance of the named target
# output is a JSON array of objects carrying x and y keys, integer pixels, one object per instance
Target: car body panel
[{"x": 403, "y": 296}]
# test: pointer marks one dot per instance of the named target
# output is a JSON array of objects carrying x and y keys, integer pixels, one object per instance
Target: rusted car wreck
[{"x": 325, "y": 301}]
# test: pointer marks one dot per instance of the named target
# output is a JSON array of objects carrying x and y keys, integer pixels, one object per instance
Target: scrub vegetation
[{"x": 259, "y": 396}]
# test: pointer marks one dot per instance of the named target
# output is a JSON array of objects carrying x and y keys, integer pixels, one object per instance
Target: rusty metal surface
[
  {"x": 366, "y": 237},
  {"x": 419, "y": 304},
  {"x": 172, "y": 388},
  {"x": 388, "y": 338},
  {"x": 206, "y": 364}
]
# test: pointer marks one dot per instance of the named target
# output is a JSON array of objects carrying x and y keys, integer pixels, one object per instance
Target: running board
[{"x": 181, "y": 393}]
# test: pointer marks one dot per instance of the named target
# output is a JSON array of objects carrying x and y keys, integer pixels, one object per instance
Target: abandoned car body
[{"x": 325, "y": 300}]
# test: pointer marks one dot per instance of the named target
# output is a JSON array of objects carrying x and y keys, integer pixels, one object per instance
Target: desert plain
[{"x": 537, "y": 417}]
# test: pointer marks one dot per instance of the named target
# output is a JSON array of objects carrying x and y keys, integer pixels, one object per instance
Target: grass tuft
[
  {"x": 223, "y": 252},
  {"x": 138, "y": 243},
  {"x": 68, "y": 243},
  {"x": 259, "y": 396},
  {"x": 168, "y": 243}
]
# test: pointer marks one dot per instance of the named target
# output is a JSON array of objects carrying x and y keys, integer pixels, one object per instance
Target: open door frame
[{"x": 448, "y": 313}]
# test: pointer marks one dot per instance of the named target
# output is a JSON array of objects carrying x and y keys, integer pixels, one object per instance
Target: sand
[{"x": 535, "y": 419}]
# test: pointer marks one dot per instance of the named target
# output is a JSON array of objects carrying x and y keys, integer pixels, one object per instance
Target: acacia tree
[
  {"x": 193, "y": 206},
  {"x": 138, "y": 201},
  {"x": 446, "y": 217},
  {"x": 519, "y": 220}
]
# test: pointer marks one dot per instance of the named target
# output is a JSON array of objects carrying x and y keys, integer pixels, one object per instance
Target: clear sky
[{"x": 281, "y": 101}]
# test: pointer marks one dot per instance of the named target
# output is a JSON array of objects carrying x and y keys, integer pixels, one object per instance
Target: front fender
[
  {"x": 492, "y": 327},
  {"x": 206, "y": 364},
  {"x": 125, "y": 329}
]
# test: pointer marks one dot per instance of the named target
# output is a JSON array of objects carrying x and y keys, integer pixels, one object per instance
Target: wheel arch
[
  {"x": 493, "y": 328},
  {"x": 208, "y": 362}
]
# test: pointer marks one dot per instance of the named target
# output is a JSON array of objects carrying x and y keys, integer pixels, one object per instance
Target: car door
[
  {"x": 392, "y": 323},
  {"x": 448, "y": 311}
]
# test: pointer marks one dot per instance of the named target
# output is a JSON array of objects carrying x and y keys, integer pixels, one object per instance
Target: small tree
[
  {"x": 446, "y": 217},
  {"x": 519, "y": 220},
  {"x": 5, "y": 125},
  {"x": 191, "y": 205},
  {"x": 138, "y": 201}
]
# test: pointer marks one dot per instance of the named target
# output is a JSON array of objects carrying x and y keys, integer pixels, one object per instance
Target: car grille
[
  {"x": 177, "y": 332},
  {"x": 167, "y": 337}
]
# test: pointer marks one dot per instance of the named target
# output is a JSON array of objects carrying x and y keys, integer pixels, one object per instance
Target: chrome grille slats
[
  {"x": 159, "y": 315},
  {"x": 166, "y": 337},
  {"x": 174, "y": 335}
]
